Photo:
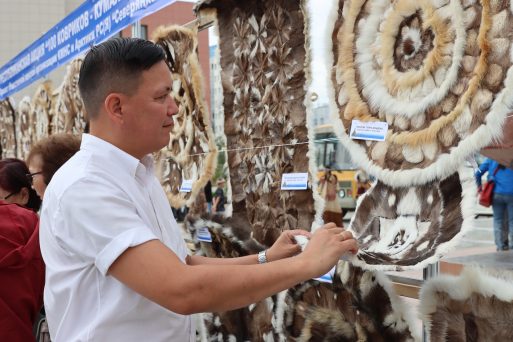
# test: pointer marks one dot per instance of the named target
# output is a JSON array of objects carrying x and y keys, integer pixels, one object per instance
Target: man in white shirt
[{"x": 117, "y": 268}]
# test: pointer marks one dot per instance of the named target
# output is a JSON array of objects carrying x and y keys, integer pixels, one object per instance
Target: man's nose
[{"x": 173, "y": 108}]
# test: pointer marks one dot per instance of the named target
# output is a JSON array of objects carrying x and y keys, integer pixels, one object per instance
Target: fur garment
[
  {"x": 438, "y": 72},
  {"x": 70, "y": 116},
  {"x": 262, "y": 58},
  {"x": 191, "y": 153},
  {"x": 474, "y": 306},
  {"x": 7, "y": 130}
]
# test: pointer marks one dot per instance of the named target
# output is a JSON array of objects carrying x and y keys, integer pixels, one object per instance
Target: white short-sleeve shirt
[{"x": 101, "y": 202}]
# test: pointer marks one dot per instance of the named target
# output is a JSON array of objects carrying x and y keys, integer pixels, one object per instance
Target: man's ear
[{"x": 113, "y": 106}]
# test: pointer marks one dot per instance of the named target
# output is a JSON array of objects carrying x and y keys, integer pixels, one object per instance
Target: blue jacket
[{"x": 503, "y": 179}]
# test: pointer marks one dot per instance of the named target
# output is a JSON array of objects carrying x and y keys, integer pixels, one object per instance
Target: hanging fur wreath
[
  {"x": 191, "y": 153},
  {"x": 438, "y": 72},
  {"x": 70, "y": 116},
  {"x": 7, "y": 130}
]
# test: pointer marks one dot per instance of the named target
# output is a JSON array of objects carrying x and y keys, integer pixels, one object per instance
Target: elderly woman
[
  {"x": 47, "y": 156},
  {"x": 21, "y": 265}
]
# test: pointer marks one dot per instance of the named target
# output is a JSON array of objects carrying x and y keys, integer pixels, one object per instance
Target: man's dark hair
[{"x": 115, "y": 66}]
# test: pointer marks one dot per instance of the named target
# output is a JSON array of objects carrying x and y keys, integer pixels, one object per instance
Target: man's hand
[
  {"x": 285, "y": 246},
  {"x": 325, "y": 248}
]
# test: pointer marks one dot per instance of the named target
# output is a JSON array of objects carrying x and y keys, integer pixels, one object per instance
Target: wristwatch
[{"x": 262, "y": 257}]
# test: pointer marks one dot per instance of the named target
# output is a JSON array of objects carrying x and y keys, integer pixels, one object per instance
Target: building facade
[{"x": 24, "y": 21}]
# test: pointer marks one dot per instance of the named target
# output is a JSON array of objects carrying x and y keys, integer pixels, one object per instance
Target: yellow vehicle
[{"x": 330, "y": 153}]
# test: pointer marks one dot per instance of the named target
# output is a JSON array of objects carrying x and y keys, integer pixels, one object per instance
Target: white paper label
[
  {"x": 204, "y": 235},
  {"x": 294, "y": 181},
  {"x": 328, "y": 277},
  {"x": 186, "y": 185},
  {"x": 376, "y": 131}
]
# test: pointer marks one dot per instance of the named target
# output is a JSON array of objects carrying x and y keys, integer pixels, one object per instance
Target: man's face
[{"x": 147, "y": 114}]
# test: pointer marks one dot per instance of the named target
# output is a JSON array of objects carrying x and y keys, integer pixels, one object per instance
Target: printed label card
[
  {"x": 294, "y": 181},
  {"x": 361, "y": 130},
  {"x": 186, "y": 185}
]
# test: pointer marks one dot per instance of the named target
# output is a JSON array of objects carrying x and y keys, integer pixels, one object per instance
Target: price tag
[
  {"x": 361, "y": 130},
  {"x": 186, "y": 185},
  {"x": 294, "y": 181},
  {"x": 328, "y": 277},
  {"x": 204, "y": 235}
]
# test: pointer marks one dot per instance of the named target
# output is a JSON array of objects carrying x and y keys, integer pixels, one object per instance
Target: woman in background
[
  {"x": 329, "y": 189},
  {"x": 48, "y": 155},
  {"x": 15, "y": 184},
  {"x": 22, "y": 271},
  {"x": 502, "y": 202}
]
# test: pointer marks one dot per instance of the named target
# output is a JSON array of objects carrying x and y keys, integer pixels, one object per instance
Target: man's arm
[
  {"x": 284, "y": 247},
  {"x": 155, "y": 272}
]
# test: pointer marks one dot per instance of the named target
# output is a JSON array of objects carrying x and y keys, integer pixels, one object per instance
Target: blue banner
[{"x": 92, "y": 23}]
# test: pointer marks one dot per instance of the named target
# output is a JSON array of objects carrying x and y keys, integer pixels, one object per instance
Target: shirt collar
[{"x": 114, "y": 154}]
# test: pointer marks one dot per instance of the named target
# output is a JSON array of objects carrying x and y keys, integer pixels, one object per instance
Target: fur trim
[
  {"x": 473, "y": 306},
  {"x": 439, "y": 213}
]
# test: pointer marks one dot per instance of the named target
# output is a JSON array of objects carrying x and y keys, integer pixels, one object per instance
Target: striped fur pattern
[
  {"x": 477, "y": 305},
  {"x": 191, "y": 153},
  {"x": 262, "y": 57},
  {"x": 70, "y": 116},
  {"x": 438, "y": 72},
  {"x": 7, "y": 130}
]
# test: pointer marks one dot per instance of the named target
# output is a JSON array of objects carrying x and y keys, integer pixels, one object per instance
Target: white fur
[
  {"x": 467, "y": 211},
  {"x": 281, "y": 307},
  {"x": 409, "y": 204},
  {"x": 391, "y": 199},
  {"x": 374, "y": 89},
  {"x": 471, "y": 280}
]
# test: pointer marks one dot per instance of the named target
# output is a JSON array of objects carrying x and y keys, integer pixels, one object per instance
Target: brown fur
[
  {"x": 192, "y": 145},
  {"x": 7, "y": 130},
  {"x": 262, "y": 61}
]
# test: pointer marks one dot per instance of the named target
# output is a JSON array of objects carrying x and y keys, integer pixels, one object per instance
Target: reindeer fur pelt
[
  {"x": 25, "y": 127},
  {"x": 438, "y": 72},
  {"x": 359, "y": 305},
  {"x": 411, "y": 227},
  {"x": 191, "y": 153},
  {"x": 43, "y": 110},
  {"x": 474, "y": 306},
  {"x": 70, "y": 116},
  {"x": 262, "y": 57},
  {"x": 7, "y": 129}
]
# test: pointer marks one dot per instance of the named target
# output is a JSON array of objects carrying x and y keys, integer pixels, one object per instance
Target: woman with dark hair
[
  {"x": 22, "y": 271},
  {"x": 48, "y": 155},
  {"x": 15, "y": 184}
]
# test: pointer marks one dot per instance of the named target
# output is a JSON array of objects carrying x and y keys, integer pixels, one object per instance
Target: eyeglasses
[
  {"x": 11, "y": 194},
  {"x": 30, "y": 176}
]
